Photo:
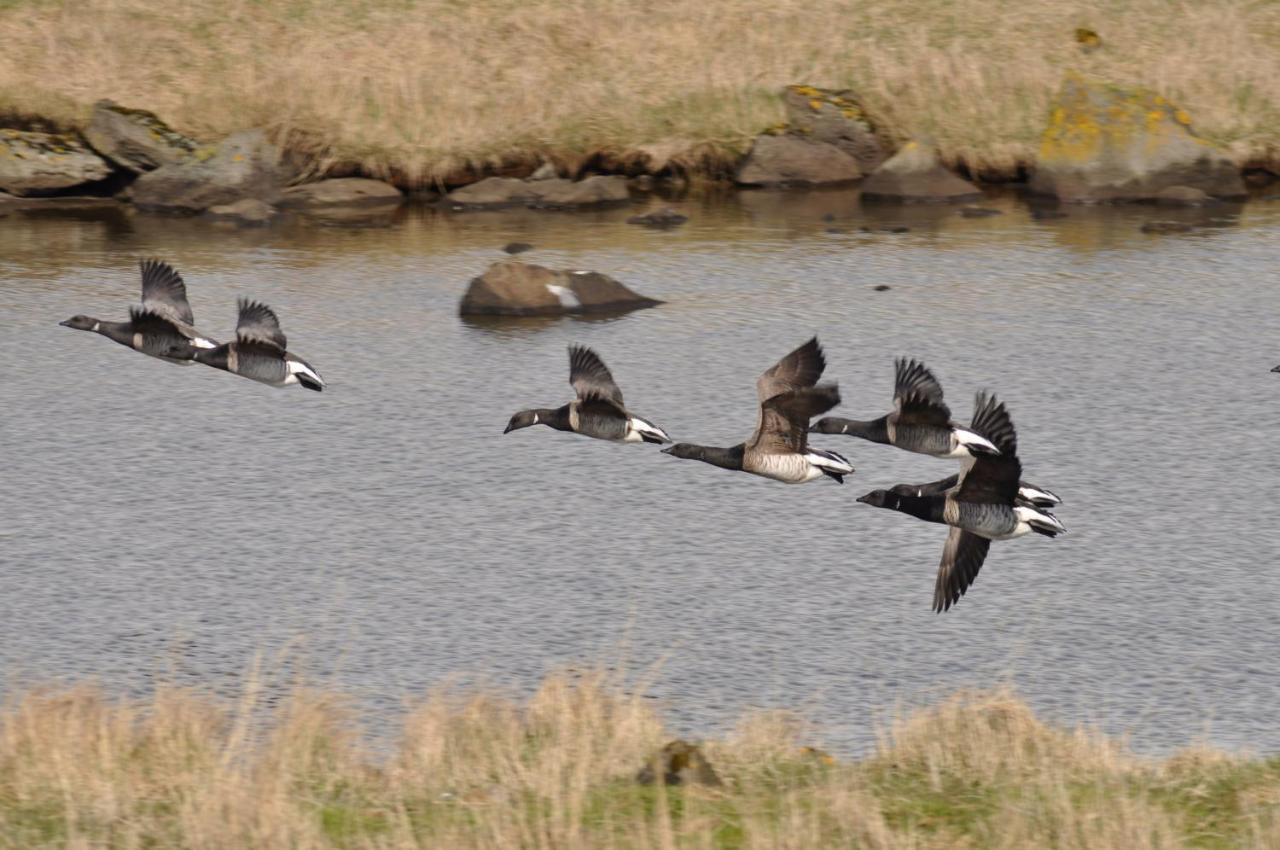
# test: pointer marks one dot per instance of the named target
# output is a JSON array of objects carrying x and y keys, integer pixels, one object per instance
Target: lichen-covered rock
[
  {"x": 35, "y": 164},
  {"x": 243, "y": 165},
  {"x": 838, "y": 118},
  {"x": 914, "y": 174},
  {"x": 1108, "y": 143},
  {"x": 249, "y": 212},
  {"x": 513, "y": 288},
  {"x": 551, "y": 192},
  {"x": 679, "y": 763},
  {"x": 790, "y": 160},
  {"x": 340, "y": 192},
  {"x": 134, "y": 139}
]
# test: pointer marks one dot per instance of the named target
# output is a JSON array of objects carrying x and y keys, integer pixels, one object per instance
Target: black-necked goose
[
  {"x": 981, "y": 508},
  {"x": 920, "y": 421},
  {"x": 162, "y": 327},
  {"x": 1029, "y": 494},
  {"x": 259, "y": 351},
  {"x": 789, "y": 397},
  {"x": 598, "y": 411}
]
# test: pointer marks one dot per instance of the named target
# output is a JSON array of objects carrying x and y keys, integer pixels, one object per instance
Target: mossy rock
[
  {"x": 39, "y": 164},
  {"x": 243, "y": 165},
  {"x": 792, "y": 160},
  {"x": 135, "y": 139},
  {"x": 1106, "y": 142},
  {"x": 837, "y": 117}
]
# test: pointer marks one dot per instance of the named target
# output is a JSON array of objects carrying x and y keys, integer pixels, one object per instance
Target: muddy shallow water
[{"x": 382, "y": 536}]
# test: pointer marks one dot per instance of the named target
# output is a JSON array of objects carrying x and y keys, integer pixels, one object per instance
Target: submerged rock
[
  {"x": 35, "y": 164},
  {"x": 249, "y": 212},
  {"x": 914, "y": 174},
  {"x": 517, "y": 247},
  {"x": 679, "y": 763},
  {"x": 791, "y": 160},
  {"x": 1167, "y": 227},
  {"x": 979, "y": 212},
  {"x": 662, "y": 219},
  {"x": 550, "y": 192},
  {"x": 244, "y": 165},
  {"x": 134, "y": 139},
  {"x": 836, "y": 117},
  {"x": 515, "y": 288},
  {"x": 340, "y": 192},
  {"x": 1109, "y": 143}
]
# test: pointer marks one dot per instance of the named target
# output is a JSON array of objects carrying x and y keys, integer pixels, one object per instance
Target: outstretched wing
[
  {"x": 590, "y": 378},
  {"x": 152, "y": 323},
  {"x": 801, "y": 368},
  {"x": 917, "y": 395},
  {"x": 962, "y": 557},
  {"x": 992, "y": 479},
  {"x": 258, "y": 325},
  {"x": 163, "y": 291},
  {"x": 784, "y": 418},
  {"x": 933, "y": 488}
]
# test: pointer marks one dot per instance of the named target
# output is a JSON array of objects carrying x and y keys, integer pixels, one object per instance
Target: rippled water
[{"x": 384, "y": 535}]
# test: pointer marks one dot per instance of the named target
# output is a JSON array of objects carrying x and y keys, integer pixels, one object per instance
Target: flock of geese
[{"x": 987, "y": 500}]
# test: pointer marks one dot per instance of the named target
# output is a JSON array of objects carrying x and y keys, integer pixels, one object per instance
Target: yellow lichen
[{"x": 815, "y": 105}]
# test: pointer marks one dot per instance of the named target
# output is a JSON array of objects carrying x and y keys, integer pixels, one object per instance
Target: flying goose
[
  {"x": 1029, "y": 495},
  {"x": 789, "y": 396},
  {"x": 162, "y": 327},
  {"x": 981, "y": 508},
  {"x": 920, "y": 421},
  {"x": 258, "y": 351},
  {"x": 598, "y": 411}
]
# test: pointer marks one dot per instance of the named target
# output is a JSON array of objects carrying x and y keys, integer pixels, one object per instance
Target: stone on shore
[
  {"x": 1109, "y": 143},
  {"x": 914, "y": 174},
  {"x": 514, "y": 288},
  {"x": 249, "y": 212},
  {"x": 244, "y": 165},
  {"x": 836, "y": 117},
  {"x": 340, "y": 192},
  {"x": 679, "y": 763},
  {"x": 134, "y": 139},
  {"x": 35, "y": 164},
  {"x": 790, "y": 160},
  {"x": 549, "y": 192}
]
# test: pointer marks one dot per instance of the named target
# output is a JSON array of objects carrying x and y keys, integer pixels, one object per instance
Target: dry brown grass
[
  {"x": 79, "y": 770},
  {"x": 418, "y": 89}
]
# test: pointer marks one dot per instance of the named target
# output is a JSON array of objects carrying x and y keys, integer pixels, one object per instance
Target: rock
[
  {"x": 979, "y": 212},
  {"x": 1166, "y": 227},
  {"x": 1182, "y": 196},
  {"x": 679, "y": 763},
  {"x": 340, "y": 192},
  {"x": 134, "y": 139},
  {"x": 886, "y": 228},
  {"x": 882, "y": 287},
  {"x": 514, "y": 288},
  {"x": 249, "y": 212},
  {"x": 663, "y": 219},
  {"x": 546, "y": 171},
  {"x": 553, "y": 192},
  {"x": 1107, "y": 143},
  {"x": 517, "y": 247},
  {"x": 794, "y": 160},
  {"x": 244, "y": 165},
  {"x": 35, "y": 164},
  {"x": 915, "y": 174},
  {"x": 1047, "y": 215},
  {"x": 836, "y": 117}
]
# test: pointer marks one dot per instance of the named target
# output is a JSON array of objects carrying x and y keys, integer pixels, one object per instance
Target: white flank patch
[
  {"x": 535, "y": 419},
  {"x": 968, "y": 438},
  {"x": 201, "y": 342},
  {"x": 565, "y": 294},
  {"x": 96, "y": 325}
]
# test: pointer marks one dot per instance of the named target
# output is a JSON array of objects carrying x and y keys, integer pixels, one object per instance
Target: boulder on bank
[
  {"x": 244, "y": 165},
  {"x": 551, "y": 192},
  {"x": 914, "y": 174},
  {"x": 340, "y": 192},
  {"x": 790, "y": 160},
  {"x": 513, "y": 288},
  {"x": 1109, "y": 143},
  {"x": 35, "y": 164},
  {"x": 134, "y": 139},
  {"x": 836, "y": 117}
]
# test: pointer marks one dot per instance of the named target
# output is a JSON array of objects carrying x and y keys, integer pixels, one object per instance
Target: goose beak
[
  {"x": 668, "y": 450},
  {"x": 66, "y": 323},
  {"x": 863, "y": 498},
  {"x": 1277, "y": 369}
]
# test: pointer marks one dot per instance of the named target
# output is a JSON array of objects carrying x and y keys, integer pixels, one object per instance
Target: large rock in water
[
  {"x": 35, "y": 164},
  {"x": 789, "y": 160},
  {"x": 836, "y": 117},
  {"x": 1107, "y": 143},
  {"x": 340, "y": 192},
  {"x": 513, "y": 288},
  {"x": 243, "y": 165},
  {"x": 915, "y": 174},
  {"x": 134, "y": 139},
  {"x": 555, "y": 192}
]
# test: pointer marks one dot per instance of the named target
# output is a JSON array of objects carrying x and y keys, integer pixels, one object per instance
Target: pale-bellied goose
[
  {"x": 162, "y": 327},
  {"x": 259, "y": 351},
  {"x": 920, "y": 421},
  {"x": 598, "y": 411},
  {"x": 981, "y": 508},
  {"x": 789, "y": 397},
  {"x": 1029, "y": 494}
]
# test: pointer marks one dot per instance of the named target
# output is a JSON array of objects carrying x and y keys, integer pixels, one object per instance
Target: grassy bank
[
  {"x": 976, "y": 771},
  {"x": 418, "y": 89}
]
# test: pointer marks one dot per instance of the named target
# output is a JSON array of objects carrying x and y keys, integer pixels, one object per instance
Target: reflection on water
[{"x": 159, "y": 521}]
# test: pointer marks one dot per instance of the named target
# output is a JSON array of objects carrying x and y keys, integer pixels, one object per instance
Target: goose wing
[
  {"x": 590, "y": 378},
  {"x": 258, "y": 325},
  {"x": 962, "y": 557},
  {"x": 992, "y": 479},
  {"x": 784, "y": 419},
  {"x": 933, "y": 488},
  {"x": 917, "y": 395},
  {"x": 801, "y": 368},
  {"x": 152, "y": 323},
  {"x": 163, "y": 291}
]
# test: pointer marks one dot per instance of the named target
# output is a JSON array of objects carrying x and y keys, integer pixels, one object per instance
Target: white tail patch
[
  {"x": 1035, "y": 494},
  {"x": 566, "y": 295},
  {"x": 297, "y": 368},
  {"x": 965, "y": 438},
  {"x": 637, "y": 427},
  {"x": 830, "y": 460},
  {"x": 1043, "y": 519}
]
